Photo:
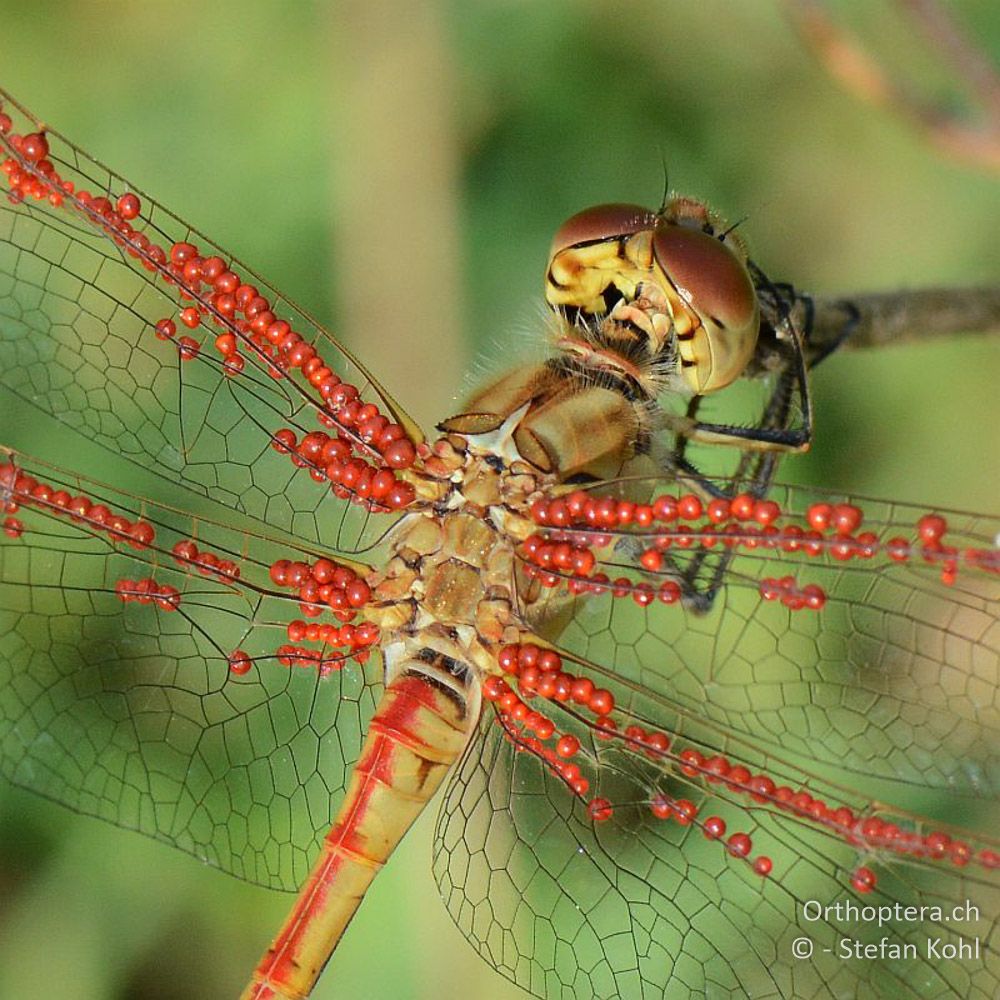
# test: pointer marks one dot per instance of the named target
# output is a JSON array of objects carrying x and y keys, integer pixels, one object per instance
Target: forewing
[
  {"x": 80, "y": 299},
  {"x": 895, "y": 677}
]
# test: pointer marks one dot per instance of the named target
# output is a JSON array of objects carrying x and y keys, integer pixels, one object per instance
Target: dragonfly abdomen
[{"x": 420, "y": 728}]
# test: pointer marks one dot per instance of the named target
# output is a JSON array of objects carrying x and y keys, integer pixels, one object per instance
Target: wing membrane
[
  {"x": 635, "y": 905},
  {"x": 129, "y": 711},
  {"x": 895, "y": 678},
  {"x": 79, "y": 307}
]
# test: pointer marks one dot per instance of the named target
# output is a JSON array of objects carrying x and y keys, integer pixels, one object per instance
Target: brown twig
[{"x": 878, "y": 319}]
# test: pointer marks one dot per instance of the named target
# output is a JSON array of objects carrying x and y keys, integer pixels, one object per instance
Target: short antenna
[
  {"x": 736, "y": 225},
  {"x": 666, "y": 181}
]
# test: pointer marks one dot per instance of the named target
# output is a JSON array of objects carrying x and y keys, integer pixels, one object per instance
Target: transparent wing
[
  {"x": 834, "y": 703},
  {"x": 93, "y": 311},
  {"x": 638, "y": 906},
  {"x": 117, "y": 693},
  {"x": 895, "y": 675}
]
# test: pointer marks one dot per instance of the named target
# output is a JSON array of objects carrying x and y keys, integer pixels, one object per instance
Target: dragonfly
[{"x": 692, "y": 732}]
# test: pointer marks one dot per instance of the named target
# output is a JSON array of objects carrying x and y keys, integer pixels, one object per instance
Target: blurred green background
[{"x": 399, "y": 169}]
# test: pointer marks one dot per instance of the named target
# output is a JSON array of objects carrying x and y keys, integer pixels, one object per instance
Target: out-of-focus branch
[
  {"x": 857, "y": 70},
  {"x": 967, "y": 59},
  {"x": 396, "y": 167}
]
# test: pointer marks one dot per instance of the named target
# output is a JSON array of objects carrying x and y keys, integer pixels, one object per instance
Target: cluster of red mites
[
  {"x": 581, "y": 509},
  {"x": 329, "y": 458},
  {"x": 788, "y": 592},
  {"x": 356, "y": 640},
  {"x": 20, "y": 489},
  {"x": 323, "y": 586},
  {"x": 538, "y": 673},
  {"x": 207, "y": 563},
  {"x": 148, "y": 591},
  {"x": 560, "y": 561},
  {"x": 357, "y": 644},
  {"x": 869, "y": 832},
  {"x": 247, "y": 320},
  {"x": 218, "y": 293},
  {"x": 581, "y": 522}
]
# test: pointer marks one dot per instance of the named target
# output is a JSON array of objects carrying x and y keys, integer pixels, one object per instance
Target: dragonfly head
[{"x": 677, "y": 275}]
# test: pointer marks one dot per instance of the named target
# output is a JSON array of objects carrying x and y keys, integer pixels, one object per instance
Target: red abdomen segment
[{"x": 416, "y": 734}]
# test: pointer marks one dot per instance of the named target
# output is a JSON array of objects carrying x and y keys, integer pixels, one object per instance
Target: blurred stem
[
  {"x": 396, "y": 217},
  {"x": 859, "y": 70}
]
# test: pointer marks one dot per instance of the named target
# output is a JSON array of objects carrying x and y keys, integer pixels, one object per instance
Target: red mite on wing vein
[
  {"x": 248, "y": 323},
  {"x": 473, "y": 535},
  {"x": 328, "y": 587}
]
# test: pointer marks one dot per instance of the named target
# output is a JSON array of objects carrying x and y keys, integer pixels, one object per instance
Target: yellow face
[{"x": 667, "y": 273}]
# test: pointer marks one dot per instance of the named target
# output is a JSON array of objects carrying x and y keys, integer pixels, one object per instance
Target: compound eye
[
  {"x": 599, "y": 223},
  {"x": 712, "y": 279}
]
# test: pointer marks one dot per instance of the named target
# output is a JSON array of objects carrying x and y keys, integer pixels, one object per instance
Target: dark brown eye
[
  {"x": 707, "y": 273},
  {"x": 601, "y": 222}
]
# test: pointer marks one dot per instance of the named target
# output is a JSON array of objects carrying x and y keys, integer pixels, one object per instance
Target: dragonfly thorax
[{"x": 452, "y": 565}]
